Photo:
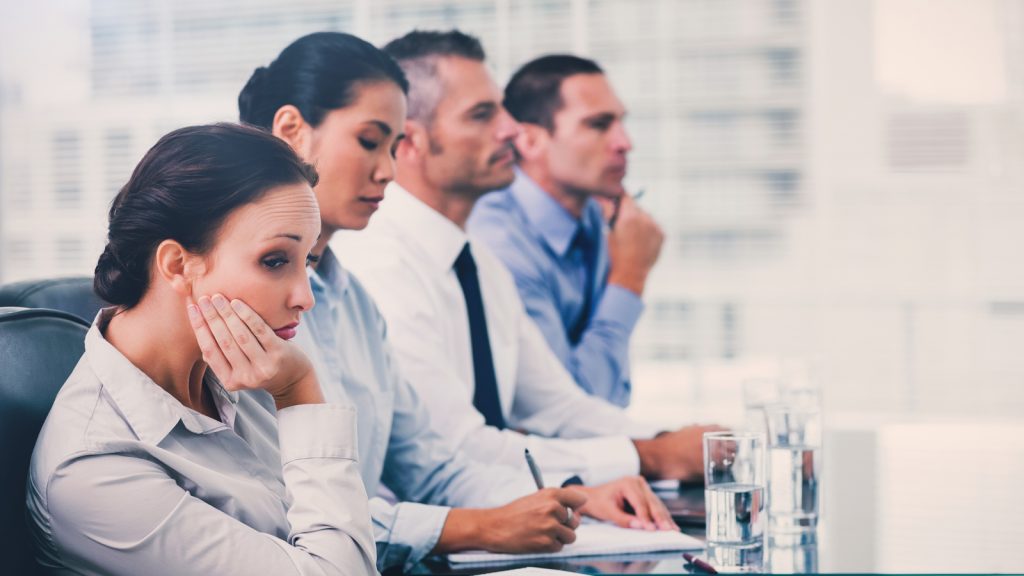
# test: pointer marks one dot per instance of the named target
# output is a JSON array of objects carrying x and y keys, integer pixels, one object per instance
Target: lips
[
  {"x": 287, "y": 332},
  {"x": 373, "y": 201}
]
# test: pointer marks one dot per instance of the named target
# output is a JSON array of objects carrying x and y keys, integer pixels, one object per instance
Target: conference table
[{"x": 900, "y": 495}]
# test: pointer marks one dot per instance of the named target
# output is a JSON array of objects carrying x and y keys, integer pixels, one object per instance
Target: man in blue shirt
[{"x": 579, "y": 247}]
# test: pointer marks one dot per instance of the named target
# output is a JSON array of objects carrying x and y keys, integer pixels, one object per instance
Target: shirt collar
[
  {"x": 438, "y": 236},
  {"x": 149, "y": 409},
  {"x": 554, "y": 223}
]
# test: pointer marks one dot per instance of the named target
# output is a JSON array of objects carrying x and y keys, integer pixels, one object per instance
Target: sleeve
[
  {"x": 405, "y": 532},
  {"x": 599, "y": 363},
  {"x": 422, "y": 467},
  {"x": 138, "y": 520}
]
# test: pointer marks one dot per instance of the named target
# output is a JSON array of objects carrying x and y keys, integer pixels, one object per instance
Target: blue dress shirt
[
  {"x": 535, "y": 237},
  {"x": 344, "y": 336}
]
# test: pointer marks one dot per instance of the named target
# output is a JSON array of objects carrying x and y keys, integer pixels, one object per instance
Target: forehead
[
  {"x": 381, "y": 100},
  {"x": 289, "y": 209},
  {"x": 586, "y": 94},
  {"x": 464, "y": 84}
]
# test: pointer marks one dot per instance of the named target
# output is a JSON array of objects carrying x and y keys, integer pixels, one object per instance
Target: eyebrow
[
  {"x": 382, "y": 125},
  {"x": 295, "y": 237},
  {"x": 602, "y": 116},
  {"x": 481, "y": 107}
]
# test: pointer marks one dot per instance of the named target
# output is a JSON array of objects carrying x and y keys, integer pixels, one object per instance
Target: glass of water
[
  {"x": 734, "y": 497},
  {"x": 794, "y": 470}
]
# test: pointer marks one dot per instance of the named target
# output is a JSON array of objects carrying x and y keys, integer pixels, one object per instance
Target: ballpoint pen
[
  {"x": 534, "y": 469},
  {"x": 699, "y": 564}
]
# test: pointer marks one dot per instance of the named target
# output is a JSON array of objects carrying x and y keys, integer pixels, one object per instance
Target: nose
[
  {"x": 385, "y": 170},
  {"x": 508, "y": 128},
  {"x": 620, "y": 138},
  {"x": 301, "y": 297}
]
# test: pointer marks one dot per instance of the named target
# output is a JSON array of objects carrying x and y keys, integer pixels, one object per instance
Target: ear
[
  {"x": 290, "y": 126},
  {"x": 177, "y": 266},
  {"x": 416, "y": 143},
  {"x": 532, "y": 141}
]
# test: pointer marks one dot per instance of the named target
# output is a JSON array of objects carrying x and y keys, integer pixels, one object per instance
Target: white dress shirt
[
  {"x": 124, "y": 479},
  {"x": 405, "y": 259}
]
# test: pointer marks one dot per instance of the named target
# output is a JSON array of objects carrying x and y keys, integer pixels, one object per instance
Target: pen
[
  {"x": 699, "y": 564},
  {"x": 534, "y": 470},
  {"x": 618, "y": 201}
]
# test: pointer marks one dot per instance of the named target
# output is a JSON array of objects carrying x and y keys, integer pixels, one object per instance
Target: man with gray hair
[{"x": 484, "y": 371}]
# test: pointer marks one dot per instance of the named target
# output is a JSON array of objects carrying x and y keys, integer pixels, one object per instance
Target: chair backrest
[
  {"x": 38, "y": 350},
  {"x": 73, "y": 295}
]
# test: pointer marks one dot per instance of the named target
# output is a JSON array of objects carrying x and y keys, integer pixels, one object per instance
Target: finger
[
  {"x": 264, "y": 335},
  {"x": 659, "y": 512},
  {"x": 641, "y": 507},
  {"x": 207, "y": 344},
  {"x": 243, "y": 336},
  {"x": 564, "y": 534},
  {"x": 221, "y": 335},
  {"x": 572, "y": 498},
  {"x": 621, "y": 518}
]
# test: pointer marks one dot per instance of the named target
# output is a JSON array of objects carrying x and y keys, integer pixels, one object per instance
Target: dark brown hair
[{"x": 182, "y": 190}]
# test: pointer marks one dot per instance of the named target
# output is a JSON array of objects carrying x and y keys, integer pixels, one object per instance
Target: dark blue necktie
[
  {"x": 588, "y": 252},
  {"x": 485, "y": 395}
]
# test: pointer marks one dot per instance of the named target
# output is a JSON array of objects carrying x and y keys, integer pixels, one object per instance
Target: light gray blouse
[{"x": 126, "y": 480}]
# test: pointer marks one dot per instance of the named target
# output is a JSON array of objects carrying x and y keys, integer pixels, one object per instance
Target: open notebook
[{"x": 596, "y": 540}]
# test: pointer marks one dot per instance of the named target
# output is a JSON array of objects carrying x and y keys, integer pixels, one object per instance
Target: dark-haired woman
[
  {"x": 340, "y": 103},
  {"x": 193, "y": 438}
]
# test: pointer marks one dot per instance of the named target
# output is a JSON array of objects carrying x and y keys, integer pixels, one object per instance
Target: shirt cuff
[
  {"x": 619, "y": 305},
  {"x": 415, "y": 530},
  {"x": 608, "y": 458},
  {"x": 317, "y": 431}
]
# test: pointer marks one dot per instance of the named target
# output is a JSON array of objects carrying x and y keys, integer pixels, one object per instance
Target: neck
[
  {"x": 573, "y": 201},
  {"x": 170, "y": 356},
  {"x": 453, "y": 205},
  {"x": 326, "y": 232}
]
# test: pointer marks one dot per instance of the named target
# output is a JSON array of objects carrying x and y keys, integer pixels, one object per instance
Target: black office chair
[
  {"x": 73, "y": 295},
  {"x": 38, "y": 350}
]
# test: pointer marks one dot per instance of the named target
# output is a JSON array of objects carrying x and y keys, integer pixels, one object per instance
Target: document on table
[{"x": 596, "y": 539}]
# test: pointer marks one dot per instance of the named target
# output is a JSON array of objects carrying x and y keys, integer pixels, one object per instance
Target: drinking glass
[
  {"x": 794, "y": 470},
  {"x": 734, "y": 498}
]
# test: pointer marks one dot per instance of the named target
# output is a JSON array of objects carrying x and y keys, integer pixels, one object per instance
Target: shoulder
[{"x": 81, "y": 420}]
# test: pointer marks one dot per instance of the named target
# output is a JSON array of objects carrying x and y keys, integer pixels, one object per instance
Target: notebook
[{"x": 596, "y": 539}]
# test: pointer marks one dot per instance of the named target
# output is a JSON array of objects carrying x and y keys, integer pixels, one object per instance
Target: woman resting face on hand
[{"x": 193, "y": 437}]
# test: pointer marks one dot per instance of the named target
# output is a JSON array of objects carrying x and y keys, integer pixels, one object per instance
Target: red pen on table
[{"x": 700, "y": 564}]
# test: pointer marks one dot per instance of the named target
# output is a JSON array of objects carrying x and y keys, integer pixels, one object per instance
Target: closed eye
[{"x": 274, "y": 262}]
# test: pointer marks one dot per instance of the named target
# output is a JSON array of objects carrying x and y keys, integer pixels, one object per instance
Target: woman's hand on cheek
[{"x": 245, "y": 354}]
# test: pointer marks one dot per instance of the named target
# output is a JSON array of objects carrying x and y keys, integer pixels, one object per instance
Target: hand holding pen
[{"x": 634, "y": 244}]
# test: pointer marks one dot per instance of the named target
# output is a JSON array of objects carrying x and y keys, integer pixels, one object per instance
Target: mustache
[{"x": 508, "y": 148}]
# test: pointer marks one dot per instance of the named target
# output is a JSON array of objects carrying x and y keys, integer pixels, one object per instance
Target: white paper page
[{"x": 597, "y": 540}]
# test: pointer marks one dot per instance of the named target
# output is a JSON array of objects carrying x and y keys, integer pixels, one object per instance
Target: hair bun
[
  {"x": 113, "y": 283},
  {"x": 250, "y": 94}
]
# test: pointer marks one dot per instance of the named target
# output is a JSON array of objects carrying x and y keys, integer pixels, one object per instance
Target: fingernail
[
  {"x": 193, "y": 312},
  {"x": 634, "y": 524},
  {"x": 204, "y": 303},
  {"x": 237, "y": 305},
  {"x": 220, "y": 302}
]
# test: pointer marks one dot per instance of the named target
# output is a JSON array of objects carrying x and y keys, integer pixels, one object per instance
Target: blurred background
[{"x": 841, "y": 183}]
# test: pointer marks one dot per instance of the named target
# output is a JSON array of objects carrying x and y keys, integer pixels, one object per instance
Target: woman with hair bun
[{"x": 193, "y": 437}]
